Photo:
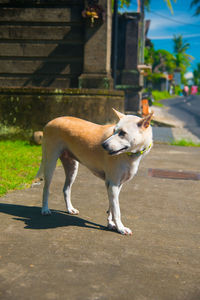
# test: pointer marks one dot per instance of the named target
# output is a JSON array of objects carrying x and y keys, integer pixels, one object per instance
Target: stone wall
[
  {"x": 33, "y": 108},
  {"x": 129, "y": 78},
  {"x": 41, "y": 43}
]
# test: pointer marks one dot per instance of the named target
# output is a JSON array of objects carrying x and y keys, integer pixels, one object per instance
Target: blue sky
[{"x": 164, "y": 25}]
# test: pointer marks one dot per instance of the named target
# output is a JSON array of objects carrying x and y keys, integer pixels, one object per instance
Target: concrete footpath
[{"x": 75, "y": 257}]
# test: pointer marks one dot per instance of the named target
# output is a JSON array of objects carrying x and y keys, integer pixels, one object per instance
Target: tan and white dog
[{"x": 111, "y": 152}]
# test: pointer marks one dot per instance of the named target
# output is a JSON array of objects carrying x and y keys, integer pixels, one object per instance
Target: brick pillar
[{"x": 97, "y": 51}]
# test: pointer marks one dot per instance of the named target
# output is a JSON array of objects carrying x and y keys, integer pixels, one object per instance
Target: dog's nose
[{"x": 104, "y": 145}]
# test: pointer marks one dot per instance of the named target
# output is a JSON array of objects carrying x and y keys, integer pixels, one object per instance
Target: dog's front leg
[{"x": 114, "y": 215}]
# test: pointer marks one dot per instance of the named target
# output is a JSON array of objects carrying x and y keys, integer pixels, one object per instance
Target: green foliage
[
  {"x": 164, "y": 61},
  {"x": 182, "y": 59},
  {"x": 178, "y": 90},
  {"x": 185, "y": 143},
  {"x": 161, "y": 60},
  {"x": 158, "y": 96},
  {"x": 122, "y": 3},
  {"x": 147, "y": 3},
  {"x": 196, "y": 4},
  {"x": 196, "y": 74},
  {"x": 179, "y": 45},
  {"x": 19, "y": 162}
]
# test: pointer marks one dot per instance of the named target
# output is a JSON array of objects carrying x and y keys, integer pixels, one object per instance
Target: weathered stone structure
[
  {"x": 46, "y": 46},
  {"x": 97, "y": 52},
  {"x": 32, "y": 108},
  {"x": 41, "y": 43},
  {"x": 129, "y": 78}
]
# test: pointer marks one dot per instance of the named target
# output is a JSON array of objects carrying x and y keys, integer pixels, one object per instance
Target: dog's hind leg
[{"x": 71, "y": 169}]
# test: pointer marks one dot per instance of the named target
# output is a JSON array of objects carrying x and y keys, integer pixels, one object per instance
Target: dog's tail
[{"x": 40, "y": 173}]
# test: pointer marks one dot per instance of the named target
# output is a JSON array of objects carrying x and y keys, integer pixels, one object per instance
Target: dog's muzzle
[{"x": 111, "y": 151}]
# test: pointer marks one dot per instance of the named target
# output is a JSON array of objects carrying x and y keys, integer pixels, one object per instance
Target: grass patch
[
  {"x": 158, "y": 96},
  {"x": 185, "y": 143},
  {"x": 19, "y": 163}
]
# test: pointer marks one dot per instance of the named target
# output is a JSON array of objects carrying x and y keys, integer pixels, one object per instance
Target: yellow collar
[{"x": 139, "y": 152}]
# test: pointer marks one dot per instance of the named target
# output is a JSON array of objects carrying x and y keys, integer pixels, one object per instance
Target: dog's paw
[
  {"x": 125, "y": 231},
  {"x": 112, "y": 226},
  {"x": 45, "y": 212},
  {"x": 73, "y": 211}
]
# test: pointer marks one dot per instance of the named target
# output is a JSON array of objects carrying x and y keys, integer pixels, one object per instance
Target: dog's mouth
[{"x": 118, "y": 151}]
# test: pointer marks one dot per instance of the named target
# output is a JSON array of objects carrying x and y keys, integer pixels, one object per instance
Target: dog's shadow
[{"x": 32, "y": 218}]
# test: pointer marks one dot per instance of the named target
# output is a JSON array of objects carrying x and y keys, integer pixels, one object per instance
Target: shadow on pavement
[{"x": 31, "y": 216}]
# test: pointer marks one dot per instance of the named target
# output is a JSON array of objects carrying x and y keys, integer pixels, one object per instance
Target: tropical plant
[
  {"x": 196, "y": 4},
  {"x": 161, "y": 60},
  {"x": 179, "y": 45},
  {"x": 196, "y": 74},
  {"x": 182, "y": 59},
  {"x": 147, "y": 3}
]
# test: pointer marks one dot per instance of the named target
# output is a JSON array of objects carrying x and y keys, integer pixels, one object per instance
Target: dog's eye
[{"x": 122, "y": 133}]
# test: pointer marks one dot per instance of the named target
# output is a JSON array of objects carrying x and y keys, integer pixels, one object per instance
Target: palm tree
[
  {"x": 146, "y": 3},
  {"x": 196, "y": 3},
  {"x": 197, "y": 75},
  {"x": 182, "y": 59},
  {"x": 168, "y": 2},
  {"x": 179, "y": 45}
]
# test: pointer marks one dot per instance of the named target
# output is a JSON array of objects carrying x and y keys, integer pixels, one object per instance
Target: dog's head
[{"x": 130, "y": 134}]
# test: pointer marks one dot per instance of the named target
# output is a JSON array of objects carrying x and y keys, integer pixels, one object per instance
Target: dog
[{"x": 111, "y": 152}]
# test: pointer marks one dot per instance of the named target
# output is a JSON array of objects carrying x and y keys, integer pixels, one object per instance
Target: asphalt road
[
  {"x": 186, "y": 109},
  {"x": 64, "y": 257}
]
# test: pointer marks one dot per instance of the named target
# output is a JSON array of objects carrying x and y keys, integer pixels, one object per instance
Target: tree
[
  {"x": 147, "y": 3},
  {"x": 196, "y": 4},
  {"x": 164, "y": 61},
  {"x": 179, "y": 45},
  {"x": 161, "y": 61},
  {"x": 182, "y": 59},
  {"x": 196, "y": 74}
]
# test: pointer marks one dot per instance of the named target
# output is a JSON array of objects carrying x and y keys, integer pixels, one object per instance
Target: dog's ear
[
  {"x": 145, "y": 122},
  {"x": 118, "y": 114}
]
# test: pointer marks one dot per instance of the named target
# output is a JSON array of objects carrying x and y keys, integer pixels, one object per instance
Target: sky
[{"x": 164, "y": 25}]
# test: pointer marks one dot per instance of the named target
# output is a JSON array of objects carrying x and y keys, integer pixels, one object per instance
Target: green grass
[
  {"x": 19, "y": 163},
  {"x": 158, "y": 96},
  {"x": 185, "y": 143}
]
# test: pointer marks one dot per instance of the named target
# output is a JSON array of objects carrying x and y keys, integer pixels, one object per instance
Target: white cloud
[
  {"x": 157, "y": 23},
  {"x": 169, "y": 37},
  {"x": 189, "y": 75},
  {"x": 164, "y": 28}
]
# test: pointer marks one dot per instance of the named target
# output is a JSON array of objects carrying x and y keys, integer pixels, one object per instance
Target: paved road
[
  {"x": 65, "y": 257},
  {"x": 186, "y": 109},
  {"x": 184, "y": 114}
]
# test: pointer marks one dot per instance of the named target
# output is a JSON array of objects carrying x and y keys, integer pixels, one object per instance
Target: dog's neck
[{"x": 138, "y": 153}]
